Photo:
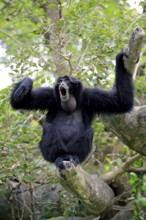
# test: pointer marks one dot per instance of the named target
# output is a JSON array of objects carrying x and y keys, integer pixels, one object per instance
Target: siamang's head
[{"x": 68, "y": 90}]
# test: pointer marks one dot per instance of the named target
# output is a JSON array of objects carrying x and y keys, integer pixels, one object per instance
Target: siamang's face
[
  {"x": 69, "y": 89},
  {"x": 63, "y": 86},
  {"x": 66, "y": 85}
]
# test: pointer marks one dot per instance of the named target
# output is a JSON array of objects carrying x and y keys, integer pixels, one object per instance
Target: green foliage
[
  {"x": 140, "y": 85},
  {"x": 92, "y": 33},
  {"x": 19, "y": 137},
  {"x": 93, "y": 29},
  {"x": 137, "y": 182}
]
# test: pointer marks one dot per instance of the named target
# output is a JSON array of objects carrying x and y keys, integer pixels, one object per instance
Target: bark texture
[
  {"x": 55, "y": 37},
  {"x": 134, "y": 49},
  {"x": 130, "y": 128},
  {"x": 93, "y": 192}
]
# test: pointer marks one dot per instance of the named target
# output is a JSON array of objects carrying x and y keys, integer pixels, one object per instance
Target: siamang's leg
[
  {"x": 67, "y": 157},
  {"x": 82, "y": 147},
  {"x": 77, "y": 151},
  {"x": 51, "y": 145}
]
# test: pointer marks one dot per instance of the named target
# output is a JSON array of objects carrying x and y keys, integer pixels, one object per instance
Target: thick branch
[
  {"x": 133, "y": 50},
  {"x": 130, "y": 128},
  {"x": 94, "y": 193}
]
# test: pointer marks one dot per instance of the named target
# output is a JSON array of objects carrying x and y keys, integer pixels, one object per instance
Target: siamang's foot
[
  {"x": 23, "y": 89},
  {"x": 74, "y": 159},
  {"x": 59, "y": 162}
]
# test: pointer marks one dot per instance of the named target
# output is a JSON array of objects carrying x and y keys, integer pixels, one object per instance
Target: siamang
[{"x": 67, "y": 133}]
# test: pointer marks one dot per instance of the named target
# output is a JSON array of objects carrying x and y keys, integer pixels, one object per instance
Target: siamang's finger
[
  {"x": 23, "y": 89},
  {"x": 27, "y": 82},
  {"x": 74, "y": 159},
  {"x": 19, "y": 93}
]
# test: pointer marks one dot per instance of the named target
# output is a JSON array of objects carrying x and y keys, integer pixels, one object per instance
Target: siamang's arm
[
  {"x": 24, "y": 97},
  {"x": 119, "y": 100}
]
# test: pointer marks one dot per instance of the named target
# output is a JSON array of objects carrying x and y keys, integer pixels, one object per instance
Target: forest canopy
[{"x": 47, "y": 39}]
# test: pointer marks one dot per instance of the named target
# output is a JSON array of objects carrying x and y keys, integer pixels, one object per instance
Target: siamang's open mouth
[{"x": 63, "y": 91}]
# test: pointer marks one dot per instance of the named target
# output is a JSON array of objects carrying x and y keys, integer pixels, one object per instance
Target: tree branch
[
  {"x": 13, "y": 38},
  {"x": 139, "y": 171},
  {"x": 118, "y": 171},
  {"x": 130, "y": 128},
  {"x": 94, "y": 193},
  {"x": 134, "y": 49}
]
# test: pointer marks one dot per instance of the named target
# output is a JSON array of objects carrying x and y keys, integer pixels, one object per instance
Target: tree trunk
[{"x": 55, "y": 37}]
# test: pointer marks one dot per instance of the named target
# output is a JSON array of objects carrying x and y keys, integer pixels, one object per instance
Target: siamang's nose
[{"x": 62, "y": 84}]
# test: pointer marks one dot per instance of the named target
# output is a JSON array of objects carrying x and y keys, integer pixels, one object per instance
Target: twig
[
  {"x": 118, "y": 171},
  {"x": 66, "y": 57},
  {"x": 142, "y": 15},
  {"x": 137, "y": 170},
  {"x": 83, "y": 55},
  {"x": 10, "y": 36}
]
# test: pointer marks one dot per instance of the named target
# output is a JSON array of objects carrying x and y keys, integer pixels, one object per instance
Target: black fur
[{"x": 68, "y": 136}]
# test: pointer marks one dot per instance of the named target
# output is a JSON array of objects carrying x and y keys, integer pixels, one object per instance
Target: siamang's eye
[
  {"x": 59, "y": 80},
  {"x": 66, "y": 79}
]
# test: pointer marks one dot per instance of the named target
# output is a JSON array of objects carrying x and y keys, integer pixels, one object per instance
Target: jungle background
[{"x": 46, "y": 39}]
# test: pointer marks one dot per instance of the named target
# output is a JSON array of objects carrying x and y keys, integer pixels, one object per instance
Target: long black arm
[
  {"x": 119, "y": 100},
  {"x": 24, "y": 97}
]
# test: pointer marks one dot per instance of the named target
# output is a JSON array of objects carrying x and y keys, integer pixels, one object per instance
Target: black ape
[{"x": 67, "y": 132}]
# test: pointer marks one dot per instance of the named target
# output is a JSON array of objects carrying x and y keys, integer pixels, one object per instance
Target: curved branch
[{"x": 118, "y": 171}]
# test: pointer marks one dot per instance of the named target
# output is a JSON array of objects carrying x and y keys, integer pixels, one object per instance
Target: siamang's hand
[
  {"x": 120, "y": 67},
  {"x": 23, "y": 88},
  {"x": 119, "y": 57}
]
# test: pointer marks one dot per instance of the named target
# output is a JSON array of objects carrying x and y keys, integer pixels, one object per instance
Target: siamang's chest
[
  {"x": 64, "y": 119},
  {"x": 68, "y": 124}
]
